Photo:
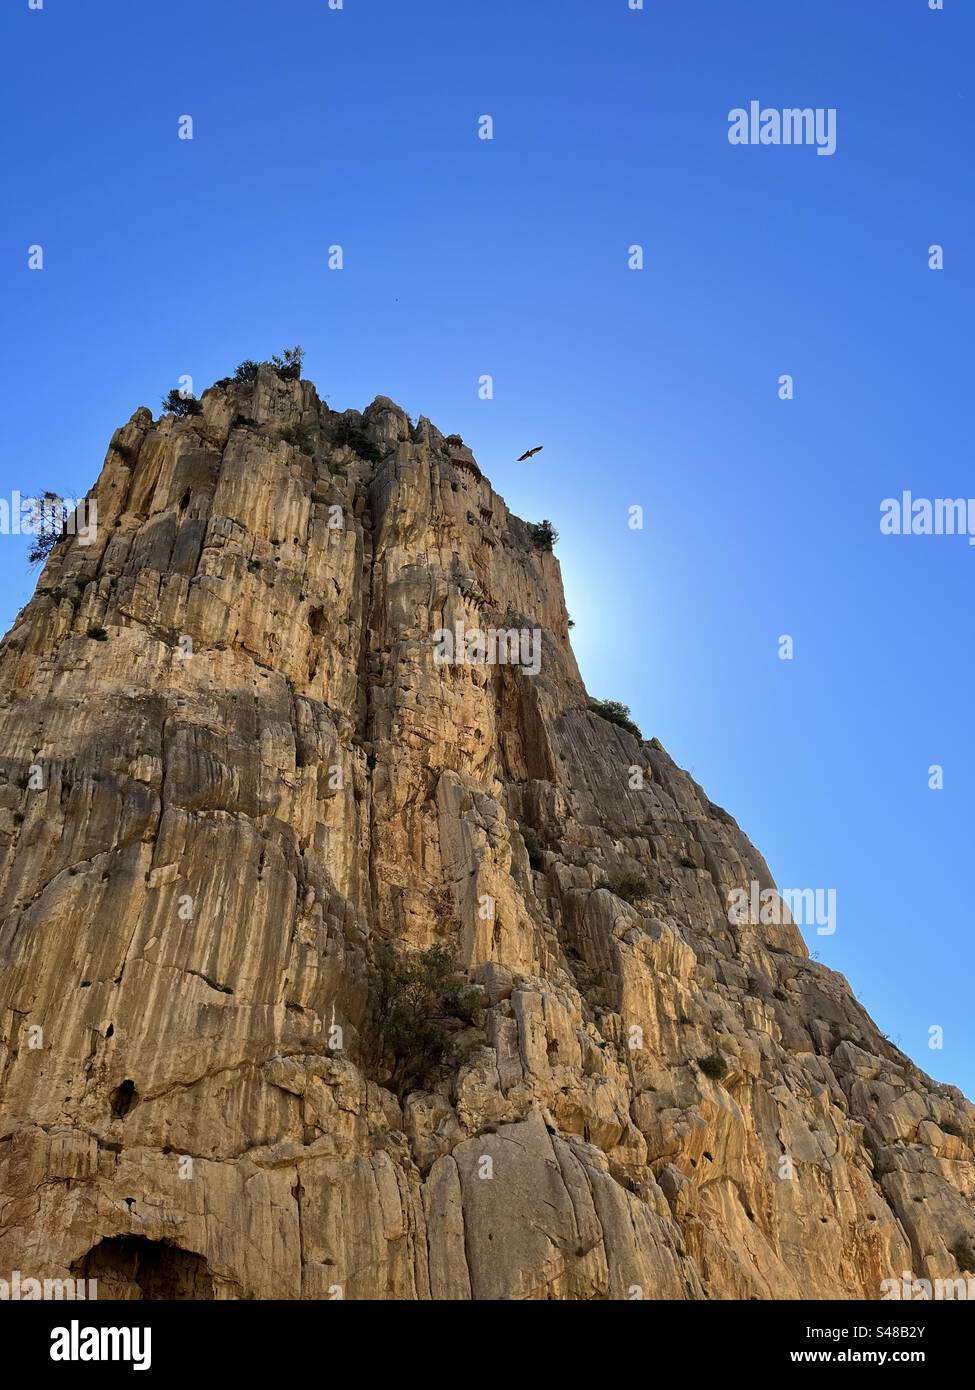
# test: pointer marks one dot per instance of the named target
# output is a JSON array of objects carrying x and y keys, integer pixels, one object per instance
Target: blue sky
[{"x": 358, "y": 127}]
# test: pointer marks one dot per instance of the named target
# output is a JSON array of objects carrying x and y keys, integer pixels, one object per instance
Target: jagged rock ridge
[{"x": 189, "y": 893}]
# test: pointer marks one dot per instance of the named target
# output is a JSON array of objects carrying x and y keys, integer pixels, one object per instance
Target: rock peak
[{"x": 302, "y": 710}]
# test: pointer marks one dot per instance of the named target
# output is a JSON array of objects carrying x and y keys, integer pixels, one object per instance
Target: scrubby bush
[
  {"x": 288, "y": 365},
  {"x": 298, "y": 436},
  {"x": 98, "y": 634},
  {"x": 963, "y": 1250},
  {"x": 542, "y": 534},
  {"x": 418, "y": 999},
  {"x": 533, "y": 846},
  {"x": 615, "y": 713},
  {"x": 353, "y": 436},
  {"x": 713, "y": 1065},
  {"x": 180, "y": 406},
  {"x": 628, "y": 886}
]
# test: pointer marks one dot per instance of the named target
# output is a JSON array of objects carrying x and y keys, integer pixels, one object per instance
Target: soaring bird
[{"x": 530, "y": 453}]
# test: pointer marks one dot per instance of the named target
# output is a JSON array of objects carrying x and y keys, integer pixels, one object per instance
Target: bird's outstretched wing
[{"x": 530, "y": 453}]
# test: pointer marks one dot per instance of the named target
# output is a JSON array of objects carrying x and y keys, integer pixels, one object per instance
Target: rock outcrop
[{"x": 230, "y": 762}]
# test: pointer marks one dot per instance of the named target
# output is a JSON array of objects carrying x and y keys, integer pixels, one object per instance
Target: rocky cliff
[{"x": 231, "y": 764}]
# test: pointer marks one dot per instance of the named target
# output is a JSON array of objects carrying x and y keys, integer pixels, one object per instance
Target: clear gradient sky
[{"x": 358, "y": 127}]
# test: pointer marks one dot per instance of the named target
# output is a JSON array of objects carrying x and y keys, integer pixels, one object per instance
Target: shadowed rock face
[
  {"x": 209, "y": 808},
  {"x": 131, "y": 1267}
]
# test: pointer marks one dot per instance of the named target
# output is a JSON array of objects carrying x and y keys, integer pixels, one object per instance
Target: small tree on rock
[
  {"x": 288, "y": 365},
  {"x": 543, "y": 534},
  {"x": 49, "y": 518},
  {"x": 418, "y": 1000},
  {"x": 179, "y": 405}
]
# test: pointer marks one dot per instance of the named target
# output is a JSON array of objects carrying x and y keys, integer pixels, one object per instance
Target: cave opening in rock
[
  {"x": 132, "y": 1267},
  {"x": 123, "y": 1098}
]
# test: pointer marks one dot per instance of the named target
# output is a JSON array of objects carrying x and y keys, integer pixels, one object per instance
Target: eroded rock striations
[{"x": 230, "y": 762}]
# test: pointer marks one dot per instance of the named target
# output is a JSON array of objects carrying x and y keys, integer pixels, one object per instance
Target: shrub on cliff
[
  {"x": 288, "y": 365},
  {"x": 299, "y": 437},
  {"x": 713, "y": 1065},
  {"x": 543, "y": 534},
  {"x": 50, "y": 516},
  {"x": 533, "y": 846},
  {"x": 963, "y": 1250},
  {"x": 180, "y": 406},
  {"x": 354, "y": 437},
  {"x": 616, "y": 713},
  {"x": 628, "y": 886},
  {"x": 417, "y": 1000}
]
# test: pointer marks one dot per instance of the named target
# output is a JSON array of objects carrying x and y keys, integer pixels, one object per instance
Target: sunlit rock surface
[{"x": 229, "y": 760}]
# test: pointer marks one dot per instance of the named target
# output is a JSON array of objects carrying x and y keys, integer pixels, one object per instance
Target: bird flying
[{"x": 530, "y": 453}]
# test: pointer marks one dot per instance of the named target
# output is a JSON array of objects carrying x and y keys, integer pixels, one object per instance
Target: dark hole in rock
[
  {"x": 110, "y": 1030},
  {"x": 131, "y": 1267},
  {"x": 184, "y": 501},
  {"x": 123, "y": 1099},
  {"x": 317, "y": 621}
]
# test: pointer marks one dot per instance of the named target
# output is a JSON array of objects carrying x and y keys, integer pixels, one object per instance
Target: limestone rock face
[{"x": 230, "y": 762}]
